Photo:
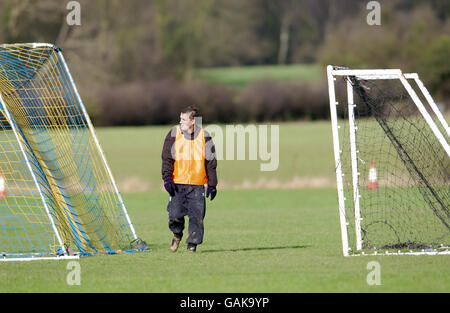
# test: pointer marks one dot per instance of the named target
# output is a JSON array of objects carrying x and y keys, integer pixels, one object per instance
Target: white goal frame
[{"x": 372, "y": 74}]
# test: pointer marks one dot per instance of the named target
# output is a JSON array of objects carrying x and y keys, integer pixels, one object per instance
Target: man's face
[{"x": 185, "y": 122}]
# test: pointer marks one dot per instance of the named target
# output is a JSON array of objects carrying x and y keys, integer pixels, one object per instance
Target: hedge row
[{"x": 159, "y": 102}]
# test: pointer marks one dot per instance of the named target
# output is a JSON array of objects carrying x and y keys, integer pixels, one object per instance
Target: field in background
[
  {"x": 305, "y": 158},
  {"x": 239, "y": 76}
]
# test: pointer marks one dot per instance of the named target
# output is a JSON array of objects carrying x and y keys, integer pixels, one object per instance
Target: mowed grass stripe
[{"x": 239, "y": 76}]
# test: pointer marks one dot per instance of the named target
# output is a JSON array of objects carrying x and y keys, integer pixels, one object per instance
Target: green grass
[
  {"x": 305, "y": 157},
  {"x": 239, "y": 76},
  {"x": 255, "y": 241},
  {"x": 305, "y": 152}
]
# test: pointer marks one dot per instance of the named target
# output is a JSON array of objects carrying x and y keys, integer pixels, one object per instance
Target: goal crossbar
[{"x": 397, "y": 74}]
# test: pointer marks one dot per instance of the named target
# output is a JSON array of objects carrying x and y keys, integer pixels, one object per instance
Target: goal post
[
  {"x": 392, "y": 161},
  {"x": 61, "y": 198}
]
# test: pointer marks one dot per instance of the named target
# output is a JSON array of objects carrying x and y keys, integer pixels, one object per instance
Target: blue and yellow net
[{"x": 57, "y": 188}]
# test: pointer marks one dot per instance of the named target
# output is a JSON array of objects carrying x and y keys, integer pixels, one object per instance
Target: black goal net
[{"x": 403, "y": 169}]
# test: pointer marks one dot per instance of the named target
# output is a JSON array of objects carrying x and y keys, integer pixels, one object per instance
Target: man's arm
[
  {"x": 210, "y": 160},
  {"x": 167, "y": 156}
]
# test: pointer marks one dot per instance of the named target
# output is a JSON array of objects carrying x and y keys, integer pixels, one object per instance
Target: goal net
[
  {"x": 57, "y": 194},
  {"x": 392, "y": 155}
]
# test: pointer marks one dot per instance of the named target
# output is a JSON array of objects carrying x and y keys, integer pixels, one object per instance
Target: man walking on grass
[{"x": 188, "y": 164}]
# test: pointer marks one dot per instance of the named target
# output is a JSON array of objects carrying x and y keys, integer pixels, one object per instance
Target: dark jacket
[{"x": 168, "y": 154}]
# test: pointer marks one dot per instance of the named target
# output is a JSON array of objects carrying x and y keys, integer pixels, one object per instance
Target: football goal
[
  {"x": 392, "y": 161},
  {"x": 58, "y": 198}
]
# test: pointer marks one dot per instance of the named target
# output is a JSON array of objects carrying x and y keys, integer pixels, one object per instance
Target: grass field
[
  {"x": 305, "y": 158},
  {"x": 256, "y": 239},
  {"x": 237, "y": 76}
]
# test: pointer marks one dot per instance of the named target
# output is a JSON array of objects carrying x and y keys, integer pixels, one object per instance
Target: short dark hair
[{"x": 192, "y": 110}]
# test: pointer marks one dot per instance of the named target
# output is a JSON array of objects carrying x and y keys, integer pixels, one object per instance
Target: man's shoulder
[{"x": 173, "y": 131}]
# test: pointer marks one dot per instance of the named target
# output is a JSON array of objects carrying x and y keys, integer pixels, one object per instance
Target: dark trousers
[{"x": 188, "y": 200}]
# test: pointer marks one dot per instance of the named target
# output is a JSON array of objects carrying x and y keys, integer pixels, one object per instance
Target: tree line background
[{"x": 135, "y": 62}]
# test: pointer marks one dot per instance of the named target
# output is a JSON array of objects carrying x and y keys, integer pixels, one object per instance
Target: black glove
[
  {"x": 211, "y": 191},
  {"x": 170, "y": 187}
]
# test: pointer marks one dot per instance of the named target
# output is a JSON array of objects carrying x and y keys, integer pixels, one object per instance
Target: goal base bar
[
  {"x": 403, "y": 253},
  {"x": 40, "y": 258}
]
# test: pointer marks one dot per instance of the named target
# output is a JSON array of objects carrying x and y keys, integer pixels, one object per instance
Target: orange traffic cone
[
  {"x": 2, "y": 186},
  {"x": 373, "y": 181}
]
